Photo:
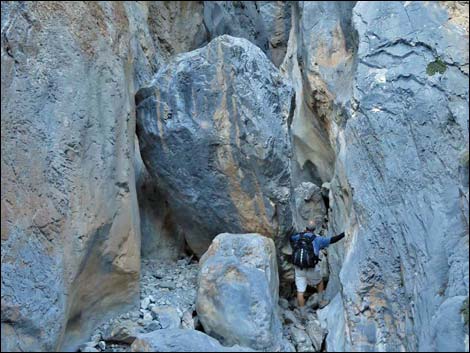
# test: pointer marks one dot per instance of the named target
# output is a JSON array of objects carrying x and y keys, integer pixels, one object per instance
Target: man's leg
[
  {"x": 320, "y": 287},
  {"x": 300, "y": 299},
  {"x": 301, "y": 285}
]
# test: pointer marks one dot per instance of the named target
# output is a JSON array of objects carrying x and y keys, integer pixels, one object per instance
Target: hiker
[{"x": 306, "y": 248}]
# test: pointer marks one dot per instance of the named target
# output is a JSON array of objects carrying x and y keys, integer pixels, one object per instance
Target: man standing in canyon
[{"x": 306, "y": 247}]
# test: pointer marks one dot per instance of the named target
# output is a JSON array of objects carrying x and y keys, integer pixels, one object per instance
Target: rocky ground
[{"x": 168, "y": 297}]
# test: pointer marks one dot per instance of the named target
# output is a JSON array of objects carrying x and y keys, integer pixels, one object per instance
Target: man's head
[{"x": 311, "y": 226}]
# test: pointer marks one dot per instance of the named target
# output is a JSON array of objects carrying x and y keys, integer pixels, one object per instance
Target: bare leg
[
  {"x": 301, "y": 299},
  {"x": 320, "y": 287}
]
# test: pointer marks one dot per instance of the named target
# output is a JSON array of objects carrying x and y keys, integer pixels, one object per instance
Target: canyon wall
[{"x": 250, "y": 117}]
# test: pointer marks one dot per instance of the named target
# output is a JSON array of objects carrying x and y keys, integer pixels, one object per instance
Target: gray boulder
[
  {"x": 121, "y": 331},
  {"x": 213, "y": 133},
  {"x": 238, "y": 292},
  {"x": 180, "y": 340},
  {"x": 167, "y": 316},
  {"x": 309, "y": 204}
]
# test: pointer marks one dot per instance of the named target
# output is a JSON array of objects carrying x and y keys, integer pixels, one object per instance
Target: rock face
[
  {"x": 213, "y": 133},
  {"x": 180, "y": 340},
  {"x": 309, "y": 205},
  {"x": 70, "y": 226},
  {"x": 265, "y": 23},
  {"x": 238, "y": 292},
  {"x": 400, "y": 156},
  {"x": 160, "y": 233},
  {"x": 380, "y": 116}
]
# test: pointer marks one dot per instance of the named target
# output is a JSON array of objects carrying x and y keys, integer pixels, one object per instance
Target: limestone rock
[
  {"x": 316, "y": 333},
  {"x": 122, "y": 331},
  {"x": 301, "y": 340},
  {"x": 309, "y": 204},
  {"x": 232, "y": 171},
  {"x": 167, "y": 316},
  {"x": 180, "y": 340},
  {"x": 264, "y": 23},
  {"x": 238, "y": 292},
  {"x": 398, "y": 187},
  {"x": 70, "y": 226}
]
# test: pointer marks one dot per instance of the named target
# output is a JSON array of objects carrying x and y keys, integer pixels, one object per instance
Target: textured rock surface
[
  {"x": 381, "y": 115},
  {"x": 265, "y": 23},
  {"x": 319, "y": 63},
  {"x": 401, "y": 153},
  {"x": 180, "y": 340},
  {"x": 161, "y": 235},
  {"x": 70, "y": 229},
  {"x": 213, "y": 132},
  {"x": 176, "y": 26},
  {"x": 238, "y": 292},
  {"x": 309, "y": 205}
]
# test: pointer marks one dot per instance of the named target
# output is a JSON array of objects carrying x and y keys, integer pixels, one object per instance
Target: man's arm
[
  {"x": 337, "y": 238},
  {"x": 323, "y": 242}
]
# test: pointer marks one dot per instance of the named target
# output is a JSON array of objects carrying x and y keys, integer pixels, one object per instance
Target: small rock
[
  {"x": 124, "y": 331},
  {"x": 316, "y": 334},
  {"x": 96, "y": 338},
  {"x": 301, "y": 340},
  {"x": 167, "y": 285},
  {"x": 313, "y": 301},
  {"x": 187, "y": 321},
  {"x": 154, "y": 325},
  {"x": 283, "y": 303},
  {"x": 167, "y": 316},
  {"x": 151, "y": 298},
  {"x": 144, "y": 304},
  {"x": 102, "y": 345},
  {"x": 148, "y": 317},
  {"x": 289, "y": 317}
]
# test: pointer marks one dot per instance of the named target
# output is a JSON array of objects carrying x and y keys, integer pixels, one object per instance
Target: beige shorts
[{"x": 310, "y": 276}]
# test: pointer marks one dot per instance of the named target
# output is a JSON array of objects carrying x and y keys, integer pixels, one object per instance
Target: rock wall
[
  {"x": 70, "y": 225},
  {"x": 264, "y": 23},
  {"x": 399, "y": 188},
  {"x": 366, "y": 100}
]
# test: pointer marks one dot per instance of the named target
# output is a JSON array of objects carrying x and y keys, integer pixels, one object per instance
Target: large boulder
[
  {"x": 238, "y": 292},
  {"x": 180, "y": 340},
  {"x": 213, "y": 132}
]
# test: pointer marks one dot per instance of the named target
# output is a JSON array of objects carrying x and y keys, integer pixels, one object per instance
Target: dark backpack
[{"x": 303, "y": 255}]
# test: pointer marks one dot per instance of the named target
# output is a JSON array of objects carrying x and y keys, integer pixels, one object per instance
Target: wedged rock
[
  {"x": 238, "y": 292},
  {"x": 309, "y": 204},
  {"x": 213, "y": 132},
  {"x": 180, "y": 340}
]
